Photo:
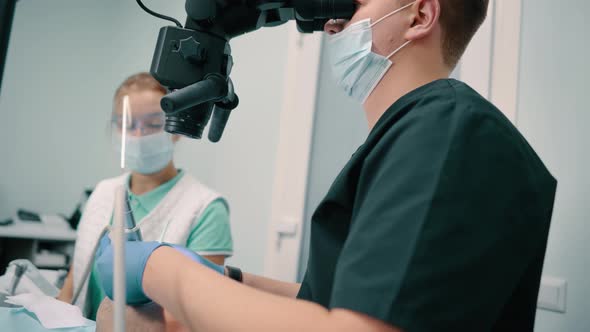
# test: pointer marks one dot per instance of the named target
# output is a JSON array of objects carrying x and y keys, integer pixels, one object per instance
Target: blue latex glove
[
  {"x": 199, "y": 259},
  {"x": 136, "y": 257},
  {"x": 137, "y": 254}
]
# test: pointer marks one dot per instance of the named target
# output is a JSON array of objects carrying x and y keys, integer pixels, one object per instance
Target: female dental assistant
[
  {"x": 166, "y": 203},
  {"x": 438, "y": 222}
]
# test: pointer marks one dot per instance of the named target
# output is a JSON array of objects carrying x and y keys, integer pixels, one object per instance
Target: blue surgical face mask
[
  {"x": 355, "y": 66},
  {"x": 146, "y": 154}
]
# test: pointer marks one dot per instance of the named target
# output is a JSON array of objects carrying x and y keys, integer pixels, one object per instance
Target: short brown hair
[
  {"x": 459, "y": 20},
  {"x": 139, "y": 82}
]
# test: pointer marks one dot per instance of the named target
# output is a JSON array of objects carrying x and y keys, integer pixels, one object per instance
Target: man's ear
[{"x": 425, "y": 16}]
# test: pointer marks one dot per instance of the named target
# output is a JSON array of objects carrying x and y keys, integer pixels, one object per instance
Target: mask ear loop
[
  {"x": 389, "y": 15},
  {"x": 398, "y": 49},
  {"x": 393, "y": 13}
]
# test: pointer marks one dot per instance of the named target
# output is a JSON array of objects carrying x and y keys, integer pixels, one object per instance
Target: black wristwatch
[{"x": 234, "y": 273}]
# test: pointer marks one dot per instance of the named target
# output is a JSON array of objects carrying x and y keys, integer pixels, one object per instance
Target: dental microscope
[{"x": 194, "y": 61}]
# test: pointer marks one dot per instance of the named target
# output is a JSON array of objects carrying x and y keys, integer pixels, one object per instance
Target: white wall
[
  {"x": 66, "y": 57},
  {"x": 553, "y": 114}
]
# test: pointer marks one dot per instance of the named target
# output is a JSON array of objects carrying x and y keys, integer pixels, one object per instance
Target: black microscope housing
[{"x": 194, "y": 62}]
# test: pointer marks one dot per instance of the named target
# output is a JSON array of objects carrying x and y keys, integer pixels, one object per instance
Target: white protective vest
[{"x": 171, "y": 221}]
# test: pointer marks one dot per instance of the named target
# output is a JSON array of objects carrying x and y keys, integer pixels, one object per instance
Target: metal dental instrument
[{"x": 19, "y": 271}]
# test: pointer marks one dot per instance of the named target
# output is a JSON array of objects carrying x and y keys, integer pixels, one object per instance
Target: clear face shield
[
  {"x": 138, "y": 136},
  {"x": 137, "y": 124}
]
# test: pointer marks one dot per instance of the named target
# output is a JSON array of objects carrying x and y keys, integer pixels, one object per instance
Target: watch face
[{"x": 234, "y": 273}]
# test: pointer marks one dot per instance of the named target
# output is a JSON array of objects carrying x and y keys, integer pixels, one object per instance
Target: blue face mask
[
  {"x": 146, "y": 154},
  {"x": 355, "y": 66}
]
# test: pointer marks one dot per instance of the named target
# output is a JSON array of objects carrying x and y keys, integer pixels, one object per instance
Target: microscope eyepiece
[
  {"x": 311, "y": 15},
  {"x": 323, "y": 9}
]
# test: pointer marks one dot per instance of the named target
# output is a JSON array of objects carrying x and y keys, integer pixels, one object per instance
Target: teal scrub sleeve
[
  {"x": 436, "y": 235},
  {"x": 212, "y": 233}
]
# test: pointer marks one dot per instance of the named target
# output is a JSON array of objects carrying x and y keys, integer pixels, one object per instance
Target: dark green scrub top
[{"x": 439, "y": 221}]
